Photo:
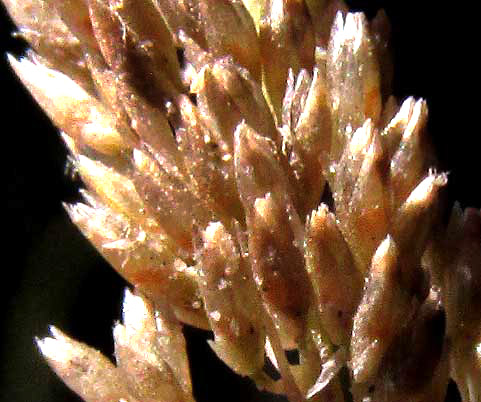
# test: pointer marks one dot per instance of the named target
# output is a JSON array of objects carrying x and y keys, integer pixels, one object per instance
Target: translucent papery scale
[{"x": 207, "y": 133}]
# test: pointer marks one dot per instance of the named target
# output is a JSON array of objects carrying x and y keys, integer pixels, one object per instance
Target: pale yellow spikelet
[{"x": 248, "y": 171}]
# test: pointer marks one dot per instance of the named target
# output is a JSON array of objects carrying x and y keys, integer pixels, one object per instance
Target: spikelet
[{"x": 209, "y": 136}]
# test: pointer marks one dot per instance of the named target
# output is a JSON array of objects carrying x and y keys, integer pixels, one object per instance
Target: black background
[{"x": 51, "y": 275}]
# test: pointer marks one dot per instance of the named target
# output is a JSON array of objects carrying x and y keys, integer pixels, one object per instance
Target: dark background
[{"x": 51, "y": 275}]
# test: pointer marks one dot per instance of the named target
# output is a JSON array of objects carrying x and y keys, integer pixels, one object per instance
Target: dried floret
[{"x": 210, "y": 137}]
